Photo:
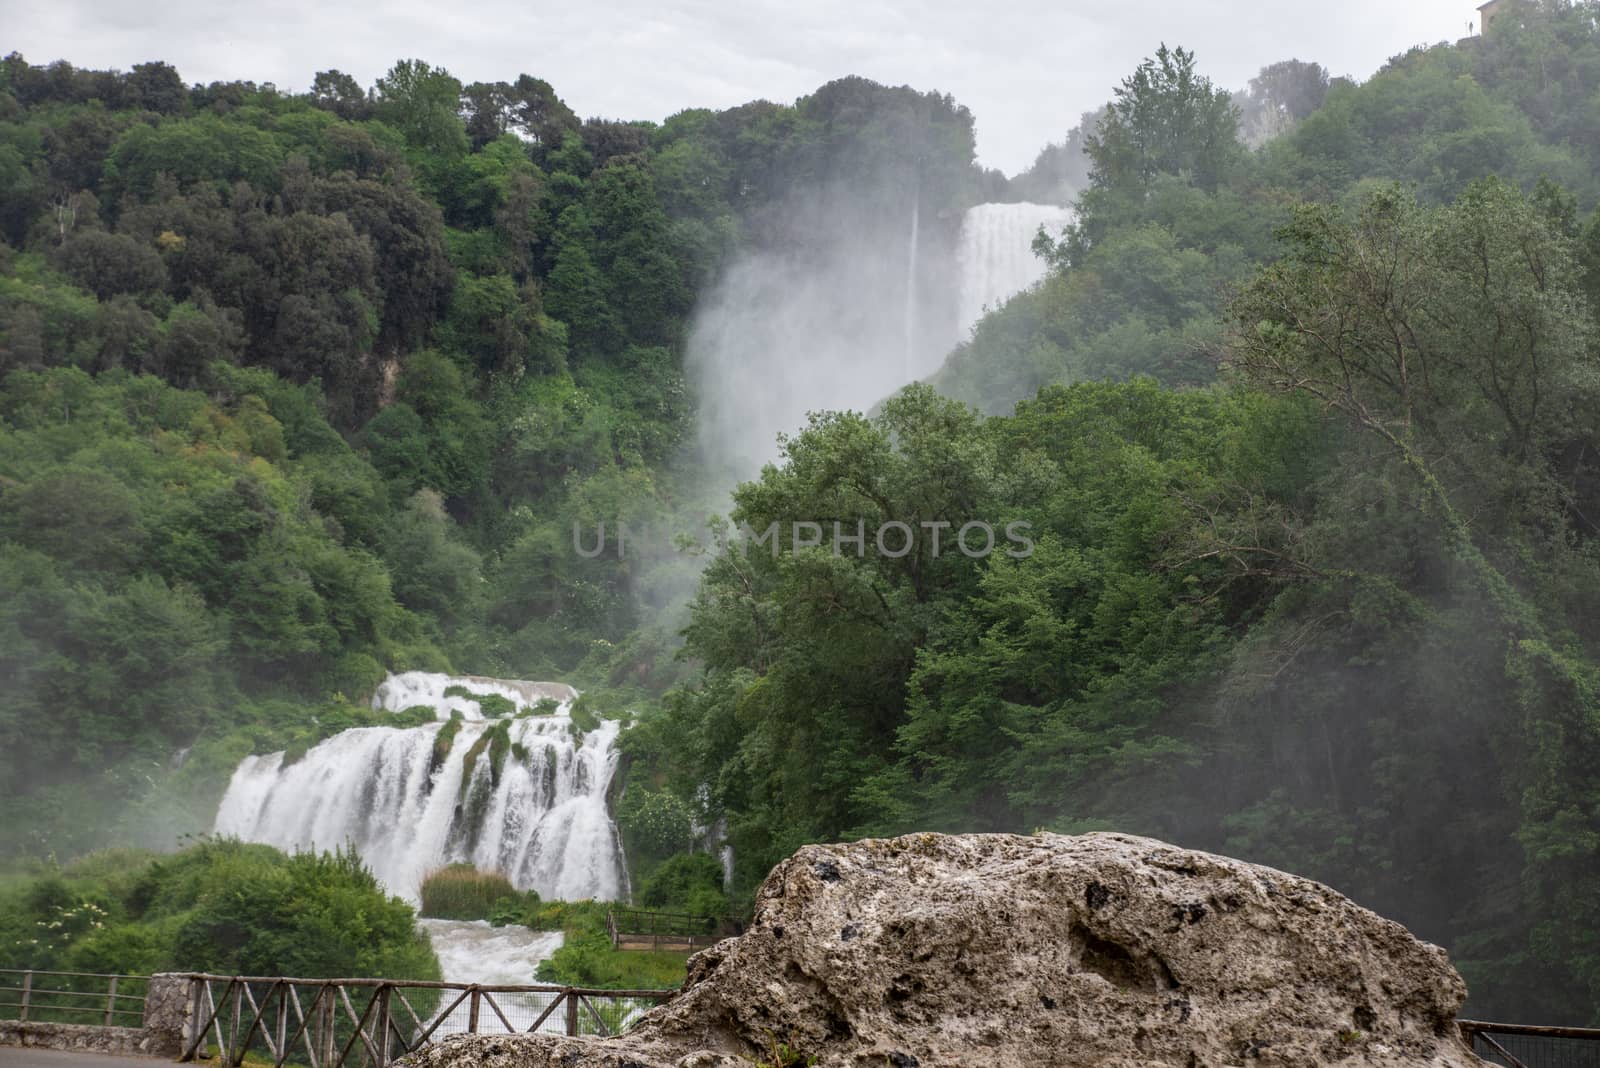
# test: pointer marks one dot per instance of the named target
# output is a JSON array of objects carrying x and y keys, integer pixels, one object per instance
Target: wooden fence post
[
  {"x": 325, "y": 1022},
  {"x": 572, "y": 1012},
  {"x": 283, "y": 1024},
  {"x": 472, "y": 1012},
  {"x": 111, "y": 999},
  {"x": 234, "y": 1054},
  {"x": 27, "y": 988},
  {"x": 383, "y": 1027}
]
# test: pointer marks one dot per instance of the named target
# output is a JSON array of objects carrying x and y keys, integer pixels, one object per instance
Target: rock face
[{"x": 1000, "y": 951}]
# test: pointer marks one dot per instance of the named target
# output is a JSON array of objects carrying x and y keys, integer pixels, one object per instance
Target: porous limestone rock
[{"x": 1001, "y": 951}]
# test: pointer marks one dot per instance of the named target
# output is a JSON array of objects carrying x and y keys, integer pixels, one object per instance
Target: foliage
[
  {"x": 586, "y": 957},
  {"x": 1165, "y": 118},
  {"x": 218, "y": 906},
  {"x": 461, "y": 892},
  {"x": 302, "y": 388},
  {"x": 655, "y": 824},
  {"x": 688, "y": 883}
]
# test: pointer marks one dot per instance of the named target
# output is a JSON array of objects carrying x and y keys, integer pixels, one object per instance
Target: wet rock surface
[{"x": 1000, "y": 950}]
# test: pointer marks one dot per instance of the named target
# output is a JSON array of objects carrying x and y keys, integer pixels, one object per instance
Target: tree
[
  {"x": 341, "y": 94},
  {"x": 156, "y": 87},
  {"x": 108, "y": 264},
  {"x": 1165, "y": 118},
  {"x": 540, "y": 114},
  {"x": 424, "y": 103},
  {"x": 1279, "y": 97}
]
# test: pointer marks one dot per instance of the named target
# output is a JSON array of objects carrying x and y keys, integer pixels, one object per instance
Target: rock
[{"x": 1000, "y": 951}]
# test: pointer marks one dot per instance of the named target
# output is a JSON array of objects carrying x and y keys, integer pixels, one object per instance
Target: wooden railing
[
  {"x": 1530, "y": 1046},
  {"x": 643, "y": 929},
  {"x": 328, "y": 1023},
  {"x": 72, "y": 997},
  {"x": 369, "y": 1023}
]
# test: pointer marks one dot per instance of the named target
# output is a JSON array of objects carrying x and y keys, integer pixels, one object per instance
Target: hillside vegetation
[{"x": 299, "y": 388}]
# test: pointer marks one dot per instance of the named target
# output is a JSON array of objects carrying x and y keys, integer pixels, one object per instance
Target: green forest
[{"x": 301, "y": 388}]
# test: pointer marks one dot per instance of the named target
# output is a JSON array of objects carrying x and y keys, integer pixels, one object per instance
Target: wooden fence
[
  {"x": 72, "y": 997},
  {"x": 1529, "y": 1046},
  {"x": 329, "y": 1023},
  {"x": 369, "y": 1023},
  {"x": 641, "y": 929}
]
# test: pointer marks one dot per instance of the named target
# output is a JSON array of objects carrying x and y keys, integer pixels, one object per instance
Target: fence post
[
  {"x": 472, "y": 1012},
  {"x": 111, "y": 999},
  {"x": 27, "y": 988},
  {"x": 572, "y": 1011},
  {"x": 283, "y": 1024},
  {"x": 235, "y": 1055},
  {"x": 383, "y": 1026},
  {"x": 325, "y": 1022},
  {"x": 199, "y": 989}
]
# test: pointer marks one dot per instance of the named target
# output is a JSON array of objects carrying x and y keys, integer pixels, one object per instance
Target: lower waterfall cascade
[{"x": 530, "y": 803}]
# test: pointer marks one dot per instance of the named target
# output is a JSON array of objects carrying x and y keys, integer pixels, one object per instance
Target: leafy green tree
[
  {"x": 340, "y": 93},
  {"x": 423, "y": 102},
  {"x": 1165, "y": 118},
  {"x": 111, "y": 264}
]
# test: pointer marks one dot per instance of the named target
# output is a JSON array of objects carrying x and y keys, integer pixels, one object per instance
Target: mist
[{"x": 861, "y": 293}]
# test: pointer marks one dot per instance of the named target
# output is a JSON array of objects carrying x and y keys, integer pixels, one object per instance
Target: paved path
[{"x": 19, "y": 1057}]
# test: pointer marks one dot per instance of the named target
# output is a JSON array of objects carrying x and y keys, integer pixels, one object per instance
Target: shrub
[
  {"x": 655, "y": 824},
  {"x": 584, "y": 717},
  {"x": 462, "y": 892},
  {"x": 690, "y": 883},
  {"x": 221, "y": 906}
]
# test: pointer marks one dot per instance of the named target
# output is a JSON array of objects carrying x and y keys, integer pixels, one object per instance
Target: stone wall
[
  {"x": 166, "y": 1023},
  {"x": 83, "y": 1038}
]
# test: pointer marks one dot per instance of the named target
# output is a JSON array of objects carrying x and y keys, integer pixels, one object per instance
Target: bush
[
  {"x": 462, "y": 892},
  {"x": 584, "y": 717},
  {"x": 221, "y": 906},
  {"x": 586, "y": 957},
  {"x": 689, "y": 883},
  {"x": 655, "y": 825}
]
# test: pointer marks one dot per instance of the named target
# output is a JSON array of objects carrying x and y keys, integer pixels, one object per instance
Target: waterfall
[
  {"x": 530, "y": 804},
  {"x": 911, "y": 293},
  {"x": 996, "y": 254}
]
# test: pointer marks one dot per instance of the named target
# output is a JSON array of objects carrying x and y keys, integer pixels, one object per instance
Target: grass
[
  {"x": 462, "y": 892},
  {"x": 492, "y": 705},
  {"x": 586, "y": 957},
  {"x": 444, "y": 740}
]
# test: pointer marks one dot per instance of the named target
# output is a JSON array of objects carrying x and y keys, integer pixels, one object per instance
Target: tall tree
[{"x": 1165, "y": 118}]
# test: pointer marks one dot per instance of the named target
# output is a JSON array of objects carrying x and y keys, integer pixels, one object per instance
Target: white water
[
  {"x": 996, "y": 254},
  {"x": 911, "y": 293},
  {"x": 471, "y": 951},
  {"x": 543, "y": 823}
]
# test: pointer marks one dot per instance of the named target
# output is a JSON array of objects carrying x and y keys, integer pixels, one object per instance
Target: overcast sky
[{"x": 1026, "y": 69}]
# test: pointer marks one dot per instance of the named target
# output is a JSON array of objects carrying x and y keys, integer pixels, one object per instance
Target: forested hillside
[
  {"x": 1315, "y": 584},
  {"x": 303, "y": 388}
]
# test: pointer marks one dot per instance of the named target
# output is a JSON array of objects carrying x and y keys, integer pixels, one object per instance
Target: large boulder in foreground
[{"x": 998, "y": 951}]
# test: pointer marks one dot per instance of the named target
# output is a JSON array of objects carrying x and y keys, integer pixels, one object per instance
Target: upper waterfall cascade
[
  {"x": 996, "y": 254},
  {"x": 532, "y": 806}
]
